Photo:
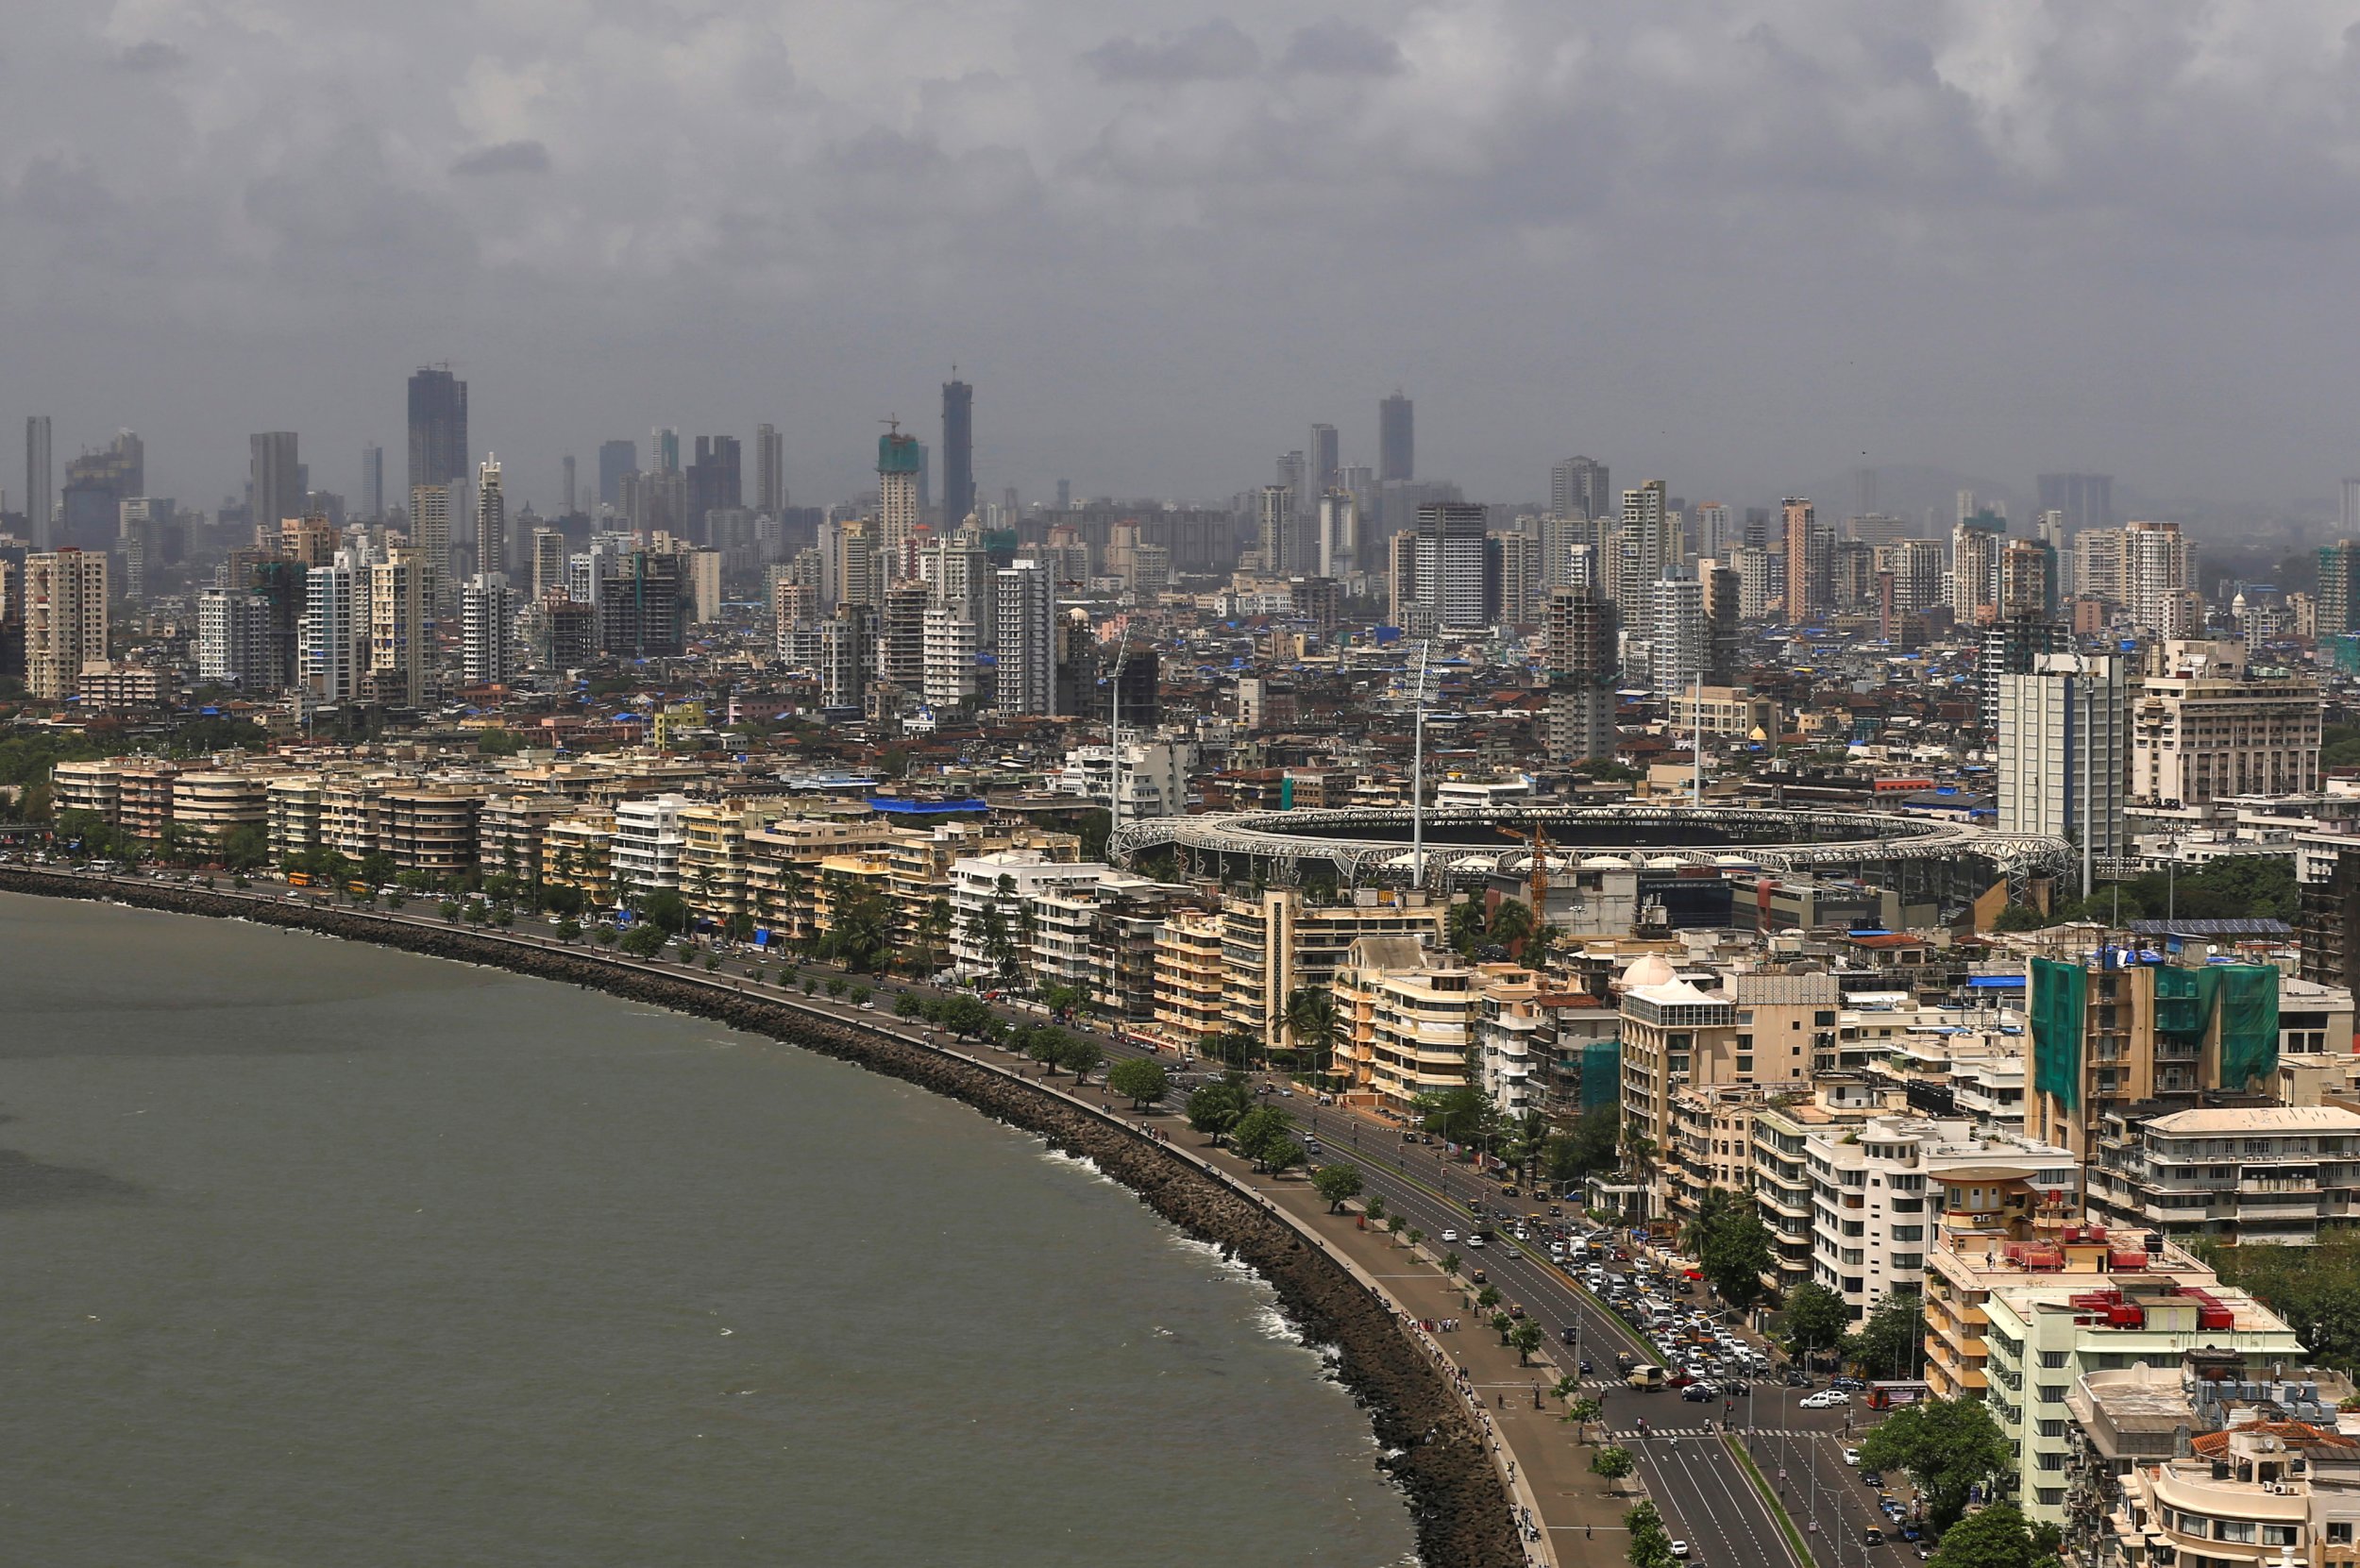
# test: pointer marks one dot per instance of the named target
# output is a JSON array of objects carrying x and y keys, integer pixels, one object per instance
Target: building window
[
  {"x": 2051, "y": 1427},
  {"x": 2279, "y": 1535},
  {"x": 2052, "y": 1358},
  {"x": 2049, "y": 1497},
  {"x": 2052, "y": 1459},
  {"x": 2050, "y": 1393},
  {"x": 2239, "y": 1530},
  {"x": 2339, "y": 1533}
]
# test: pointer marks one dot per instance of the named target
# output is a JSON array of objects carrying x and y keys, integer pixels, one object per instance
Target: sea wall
[{"x": 1457, "y": 1503}]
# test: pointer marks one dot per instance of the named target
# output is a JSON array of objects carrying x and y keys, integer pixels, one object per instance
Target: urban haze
[{"x": 1486, "y": 785}]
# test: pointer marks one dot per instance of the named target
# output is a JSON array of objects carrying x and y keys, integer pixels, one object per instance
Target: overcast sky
[{"x": 1735, "y": 244}]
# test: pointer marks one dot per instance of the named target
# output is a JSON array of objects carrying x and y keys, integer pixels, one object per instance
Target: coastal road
[{"x": 1705, "y": 1495}]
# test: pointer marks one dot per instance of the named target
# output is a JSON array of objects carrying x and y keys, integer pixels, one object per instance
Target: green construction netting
[
  {"x": 2060, "y": 993},
  {"x": 1601, "y": 1074},
  {"x": 2183, "y": 1001},
  {"x": 2246, "y": 998},
  {"x": 2248, "y": 1025}
]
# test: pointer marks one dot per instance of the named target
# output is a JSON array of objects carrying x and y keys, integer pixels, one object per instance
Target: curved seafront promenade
[{"x": 1436, "y": 1451}]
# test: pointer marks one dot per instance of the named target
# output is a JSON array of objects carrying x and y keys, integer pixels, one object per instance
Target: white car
[
  {"x": 1851, "y": 1457},
  {"x": 1826, "y": 1399},
  {"x": 1450, "y": 1236},
  {"x": 1680, "y": 1549}
]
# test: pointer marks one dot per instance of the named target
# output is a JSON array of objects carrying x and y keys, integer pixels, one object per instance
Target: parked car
[
  {"x": 1851, "y": 1457},
  {"x": 1680, "y": 1549}
]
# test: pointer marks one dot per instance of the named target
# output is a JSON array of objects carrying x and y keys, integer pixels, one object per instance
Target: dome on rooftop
[{"x": 1648, "y": 970}]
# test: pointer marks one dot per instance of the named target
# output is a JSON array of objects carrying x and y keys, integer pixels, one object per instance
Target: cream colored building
[
  {"x": 216, "y": 804},
  {"x": 1191, "y": 1001},
  {"x": 578, "y": 853}
]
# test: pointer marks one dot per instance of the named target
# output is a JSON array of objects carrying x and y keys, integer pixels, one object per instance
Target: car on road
[
  {"x": 1450, "y": 1236},
  {"x": 1699, "y": 1393},
  {"x": 1826, "y": 1399},
  {"x": 1851, "y": 1457},
  {"x": 1872, "y": 1479},
  {"x": 1476, "y": 1239},
  {"x": 1850, "y": 1385},
  {"x": 1872, "y": 1537},
  {"x": 1680, "y": 1549}
]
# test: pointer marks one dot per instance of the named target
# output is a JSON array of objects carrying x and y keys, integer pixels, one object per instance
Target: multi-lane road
[{"x": 1705, "y": 1495}]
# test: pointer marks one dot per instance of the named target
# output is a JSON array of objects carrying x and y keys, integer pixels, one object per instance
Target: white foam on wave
[{"x": 1058, "y": 1156}]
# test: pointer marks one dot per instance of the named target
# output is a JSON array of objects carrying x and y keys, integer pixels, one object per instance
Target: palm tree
[
  {"x": 1718, "y": 1204},
  {"x": 1511, "y": 925},
  {"x": 1312, "y": 1019}
]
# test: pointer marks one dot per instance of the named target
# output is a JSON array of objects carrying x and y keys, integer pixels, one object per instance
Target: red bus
[{"x": 1891, "y": 1396}]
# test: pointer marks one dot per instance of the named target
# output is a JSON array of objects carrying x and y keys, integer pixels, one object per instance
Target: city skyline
[{"x": 2020, "y": 288}]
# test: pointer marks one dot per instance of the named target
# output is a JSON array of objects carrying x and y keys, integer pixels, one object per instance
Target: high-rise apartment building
[
  {"x": 1579, "y": 487},
  {"x": 2101, "y": 567},
  {"x": 1339, "y": 535},
  {"x": 487, "y": 631},
  {"x": 438, "y": 428},
  {"x": 41, "y": 493},
  {"x": 373, "y": 481},
  {"x": 1026, "y": 603},
  {"x": 615, "y": 459},
  {"x": 770, "y": 471},
  {"x": 901, "y": 637},
  {"x": 2028, "y": 578},
  {"x": 490, "y": 519},
  {"x": 663, "y": 450},
  {"x": 273, "y": 480},
  {"x": 1580, "y": 668},
  {"x": 430, "y": 532},
  {"x": 848, "y": 645},
  {"x": 334, "y": 632},
  {"x": 2064, "y": 750},
  {"x": 569, "y": 496},
  {"x": 1915, "y": 566},
  {"x": 234, "y": 638},
  {"x": 397, "y": 630},
  {"x": 64, "y": 604},
  {"x": 1450, "y": 574},
  {"x": 1514, "y": 560},
  {"x": 950, "y": 658},
  {"x": 715, "y": 483},
  {"x": 1679, "y": 643},
  {"x": 1975, "y": 542},
  {"x": 1396, "y": 439},
  {"x": 1274, "y": 527},
  {"x": 642, "y": 605},
  {"x": 2348, "y": 507},
  {"x": 1323, "y": 469},
  {"x": 2339, "y": 604},
  {"x": 898, "y": 462},
  {"x": 1806, "y": 588},
  {"x": 2160, "y": 564},
  {"x": 1641, "y": 550},
  {"x": 548, "y": 562},
  {"x": 2086, "y": 499}
]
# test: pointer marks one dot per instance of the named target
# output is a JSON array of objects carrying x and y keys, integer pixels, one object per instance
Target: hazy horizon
[{"x": 1740, "y": 247}]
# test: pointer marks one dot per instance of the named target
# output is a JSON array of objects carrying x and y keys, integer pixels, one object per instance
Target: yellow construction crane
[{"x": 1537, "y": 874}]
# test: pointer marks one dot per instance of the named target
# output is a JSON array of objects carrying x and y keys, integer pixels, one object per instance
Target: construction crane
[{"x": 1536, "y": 874}]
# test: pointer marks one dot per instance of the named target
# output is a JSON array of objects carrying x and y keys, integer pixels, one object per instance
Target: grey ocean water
[{"x": 317, "y": 1254}]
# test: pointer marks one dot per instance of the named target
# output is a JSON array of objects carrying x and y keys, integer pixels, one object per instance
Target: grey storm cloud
[
  {"x": 150, "y": 55},
  {"x": 1335, "y": 48},
  {"x": 505, "y": 157},
  {"x": 1737, "y": 243},
  {"x": 1214, "y": 51}
]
